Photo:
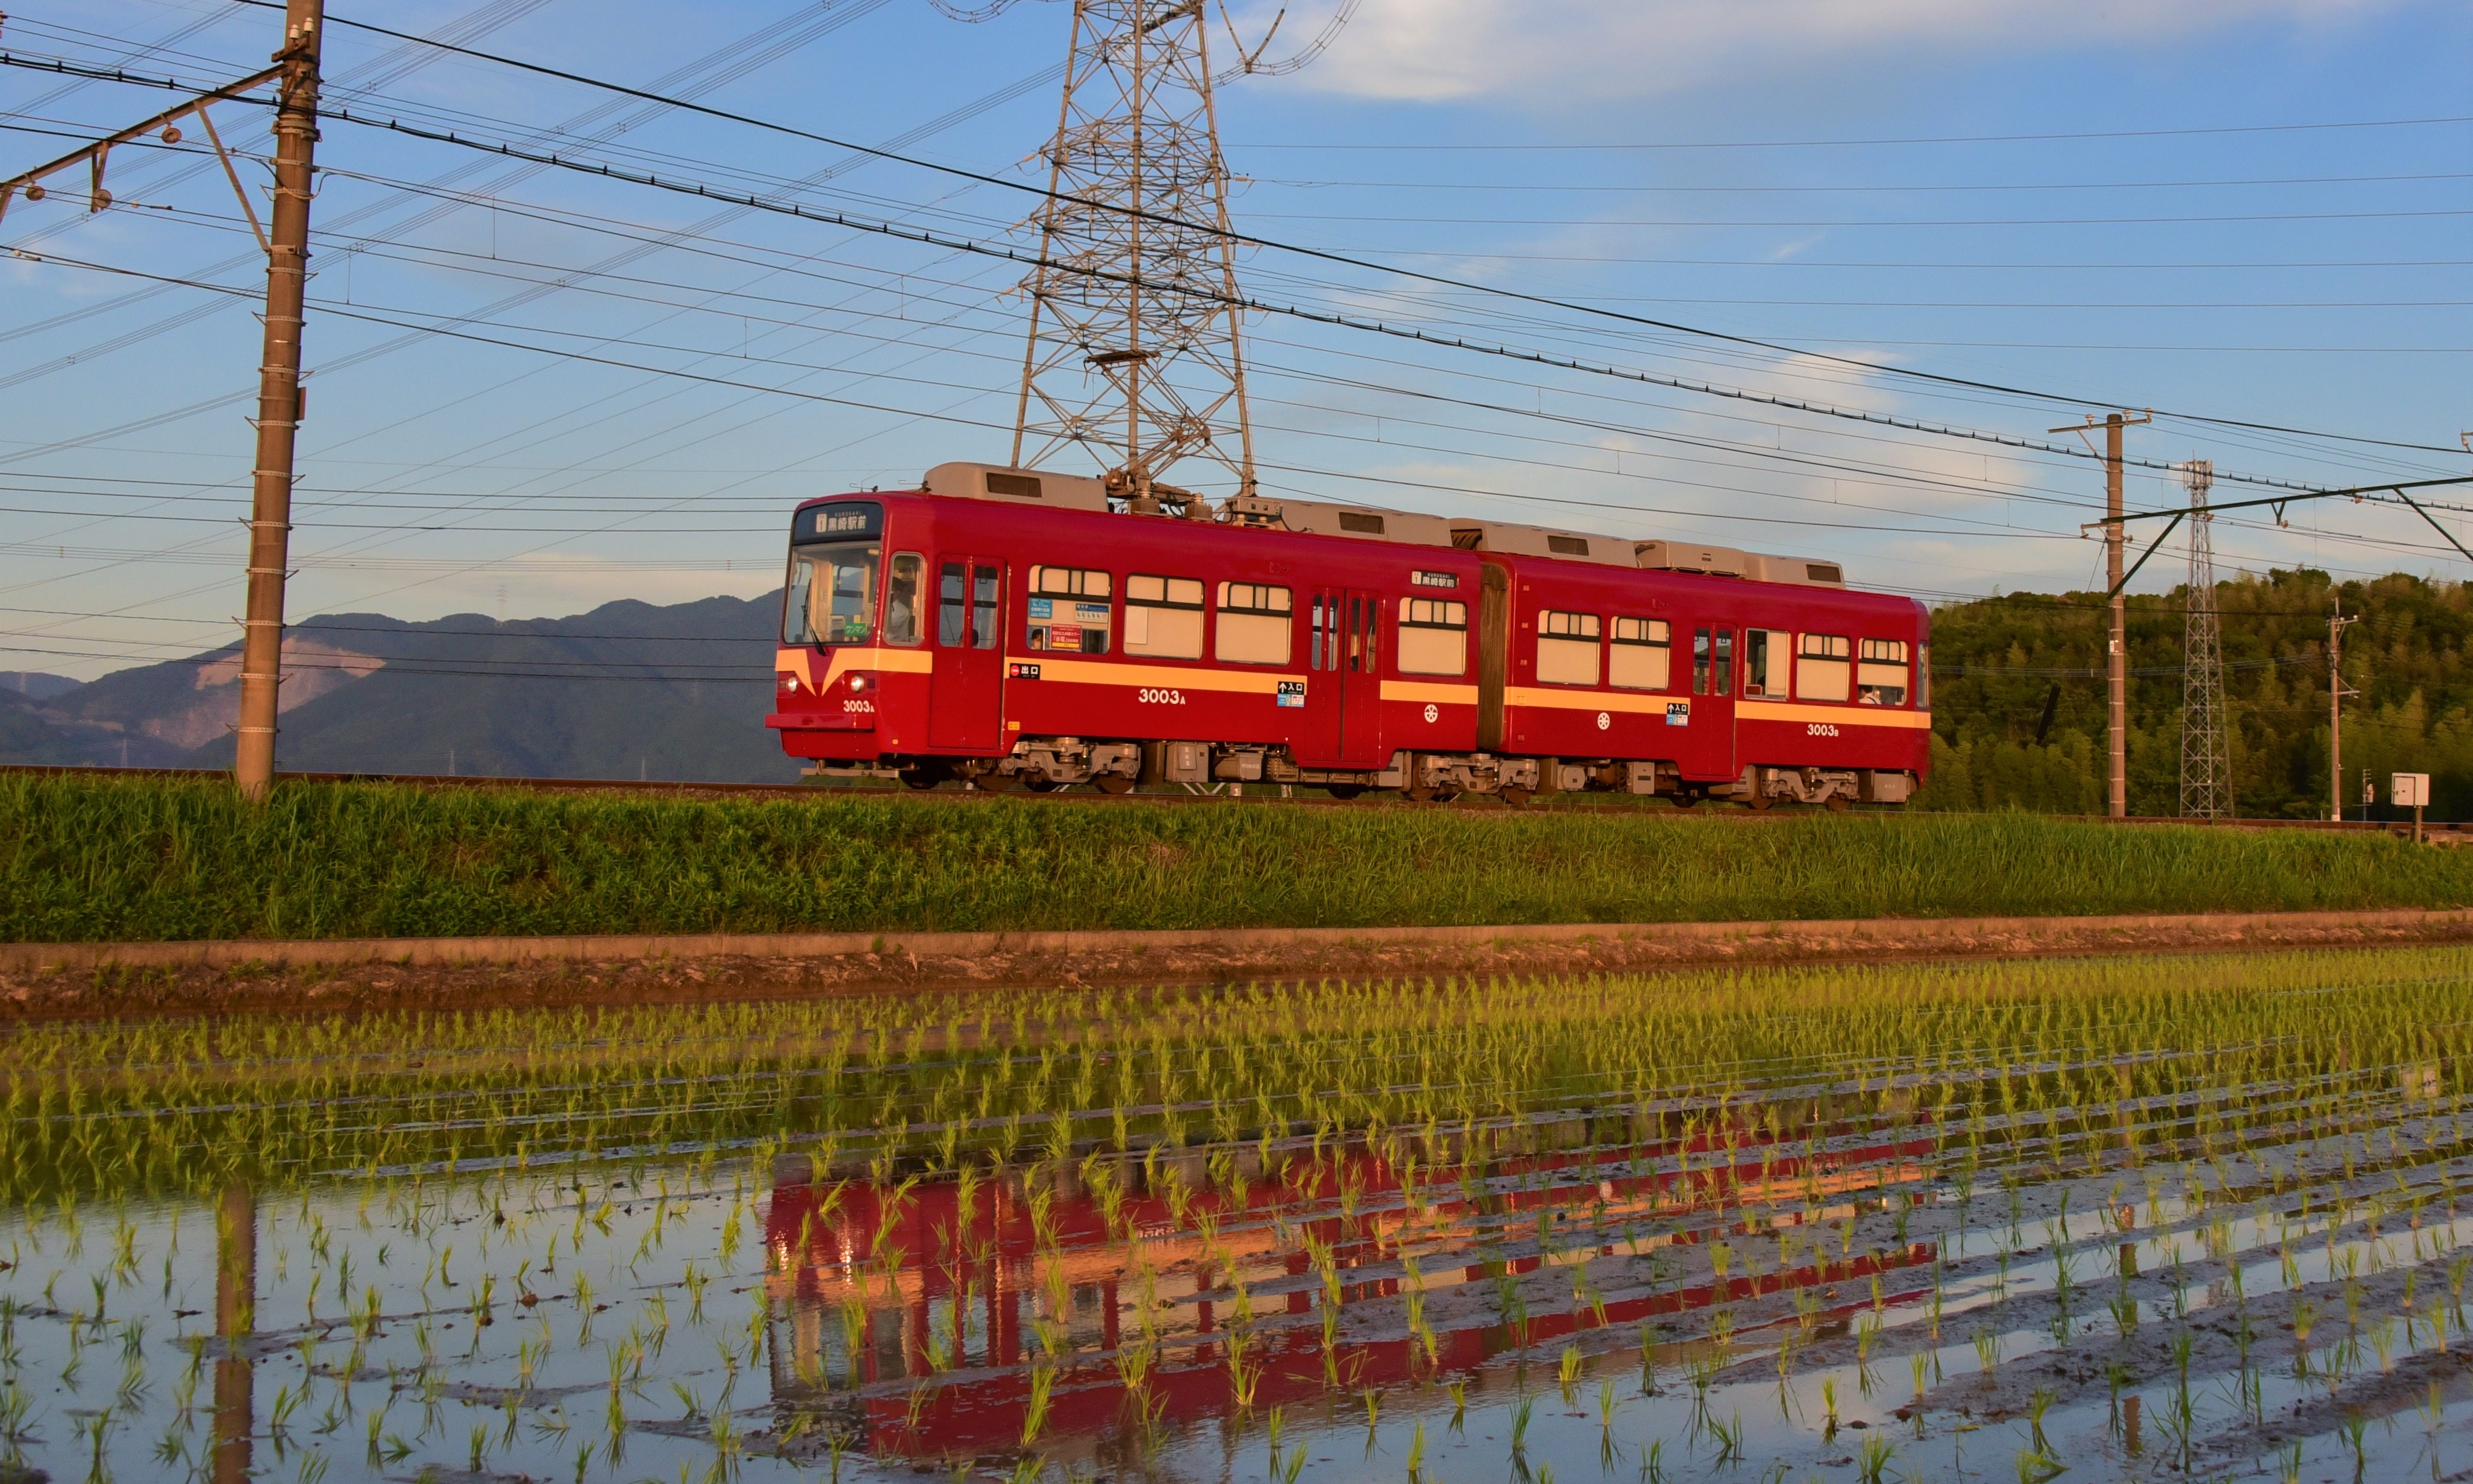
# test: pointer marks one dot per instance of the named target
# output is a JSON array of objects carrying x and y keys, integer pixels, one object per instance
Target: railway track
[{"x": 1260, "y": 795}]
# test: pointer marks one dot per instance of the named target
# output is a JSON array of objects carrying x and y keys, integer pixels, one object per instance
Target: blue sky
[{"x": 2235, "y": 208}]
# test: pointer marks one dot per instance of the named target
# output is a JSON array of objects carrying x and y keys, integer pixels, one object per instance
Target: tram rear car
[{"x": 1006, "y": 627}]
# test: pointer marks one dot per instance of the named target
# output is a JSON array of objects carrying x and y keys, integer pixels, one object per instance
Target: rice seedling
[{"x": 573, "y": 1168}]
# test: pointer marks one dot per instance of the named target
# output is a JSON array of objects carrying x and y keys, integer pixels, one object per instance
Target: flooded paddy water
[{"x": 2140, "y": 1217}]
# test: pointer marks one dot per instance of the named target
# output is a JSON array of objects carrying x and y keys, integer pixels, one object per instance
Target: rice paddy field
[
  {"x": 2126, "y": 1218},
  {"x": 87, "y": 859}
]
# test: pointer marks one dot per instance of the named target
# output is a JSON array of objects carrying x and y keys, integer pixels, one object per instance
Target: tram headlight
[{"x": 788, "y": 681}]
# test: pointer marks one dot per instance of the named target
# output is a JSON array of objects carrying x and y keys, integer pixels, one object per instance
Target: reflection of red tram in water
[{"x": 942, "y": 1358}]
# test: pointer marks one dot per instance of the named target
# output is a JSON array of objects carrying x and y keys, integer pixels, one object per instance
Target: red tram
[{"x": 1006, "y": 626}]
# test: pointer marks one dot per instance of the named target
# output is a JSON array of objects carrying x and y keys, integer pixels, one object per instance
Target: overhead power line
[
  {"x": 1868, "y": 367},
  {"x": 1247, "y": 301},
  {"x": 1809, "y": 144}
]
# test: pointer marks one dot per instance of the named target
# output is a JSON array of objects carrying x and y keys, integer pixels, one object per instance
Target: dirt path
[{"x": 50, "y": 981}]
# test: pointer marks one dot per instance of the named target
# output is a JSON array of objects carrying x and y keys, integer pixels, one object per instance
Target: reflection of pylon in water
[
  {"x": 1134, "y": 353},
  {"x": 2206, "y": 729}
]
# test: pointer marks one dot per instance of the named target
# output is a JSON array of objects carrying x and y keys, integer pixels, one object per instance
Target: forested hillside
[
  {"x": 627, "y": 690},
  {"x": 1996, "y": 661}
]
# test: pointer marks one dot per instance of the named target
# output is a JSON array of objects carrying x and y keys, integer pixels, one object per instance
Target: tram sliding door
[{"x": 966, "y": 698}]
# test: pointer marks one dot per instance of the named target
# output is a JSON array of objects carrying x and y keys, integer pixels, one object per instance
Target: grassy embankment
[{"x": 84, "y": 860}]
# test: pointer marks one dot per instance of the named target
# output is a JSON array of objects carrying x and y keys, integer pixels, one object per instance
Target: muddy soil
[{"x": 35, "y": 984}]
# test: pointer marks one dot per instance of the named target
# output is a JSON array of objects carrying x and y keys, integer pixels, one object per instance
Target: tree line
[{"x": 2000, "y": 663}]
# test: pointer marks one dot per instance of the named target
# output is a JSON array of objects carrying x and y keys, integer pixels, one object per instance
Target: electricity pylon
[
  {"x": 1126, "y": 360},
  {"x": 2206, "y": 724},
  {"x": 1135, "y": 352}
]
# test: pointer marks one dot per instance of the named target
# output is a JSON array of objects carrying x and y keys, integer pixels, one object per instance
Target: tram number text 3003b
[
  {"x": 1153, "y": 697},
  {"x": 1821, "y": 729}
]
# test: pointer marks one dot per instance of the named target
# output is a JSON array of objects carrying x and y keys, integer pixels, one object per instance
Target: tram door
[
  {"x": 1343, "y": 704},
  {"x": 966, "y": 693},
  {"x": 1705, "y": 750}
]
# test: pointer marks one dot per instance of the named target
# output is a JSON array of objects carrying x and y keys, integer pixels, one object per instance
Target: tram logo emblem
[{"x": 1433, "y": 712}]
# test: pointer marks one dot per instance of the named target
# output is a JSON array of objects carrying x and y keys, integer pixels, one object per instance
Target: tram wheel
[
  {"x": 1686, "y": 801},
  {"x": 1344, "y": 791},
  {"x": 1518, "y": 797},
  {"x": 925, "y": 775},
  {"x": 1840, "y": 803},
  {"x": 1113, "y": 783},
  {"x": 1759, "y": 800}
]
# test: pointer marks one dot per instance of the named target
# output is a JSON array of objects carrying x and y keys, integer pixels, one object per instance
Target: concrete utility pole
[
  {"x": 2336, "y": 624},
  {"x": 2117, "y": 667},
  {"x": 279, "y": 395}
]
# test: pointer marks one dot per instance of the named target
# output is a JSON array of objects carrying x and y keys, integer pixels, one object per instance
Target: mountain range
[{"x": 627, "y": 690}]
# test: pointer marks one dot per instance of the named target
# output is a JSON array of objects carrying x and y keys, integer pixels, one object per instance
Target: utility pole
[
  {"x": 279, "y": 395},
  {"x": 295, "y": 75},
  {"x": 2117, "y": 669},
  {"x": 2336, "y": 624}
]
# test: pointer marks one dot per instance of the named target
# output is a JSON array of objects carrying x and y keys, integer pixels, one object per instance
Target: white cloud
[{"x": 1445, "y": 49}]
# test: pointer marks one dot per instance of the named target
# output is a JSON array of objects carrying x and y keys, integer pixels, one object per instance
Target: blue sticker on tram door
[
  {"x": 1292, "y": 693},
  {"x": 1679, "y": 714}
]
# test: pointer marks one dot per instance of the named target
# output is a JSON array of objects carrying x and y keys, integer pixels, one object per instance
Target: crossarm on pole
[{"x": 2150, "y": 550}]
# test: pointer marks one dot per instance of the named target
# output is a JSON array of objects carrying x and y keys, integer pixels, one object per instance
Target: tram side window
[
  {"x": 1881, "y": 677},
  {"x": 1164, "y": 617},
  {"x": 1821, "y": 668},
  {"x": 1068, "y": 610},
  {"x": 1254, "y": 624},
  {"x": 1567, "y": 648},
  {"x": 1433, "y": 637},
  {"x": 902, "y": 581},
  {"x": 1765, "y": 661},
  {"x": 1699, "y": 661},
  {"x": 1639, "y": 658}
]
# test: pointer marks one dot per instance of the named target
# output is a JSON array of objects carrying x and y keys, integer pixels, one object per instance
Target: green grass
[{"x": 88, "y": 859}]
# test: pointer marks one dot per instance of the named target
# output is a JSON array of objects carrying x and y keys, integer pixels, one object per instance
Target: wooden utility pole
[
  {"x": 2336, "y": 624},
  {"x": 2117, "y": 665},
  {"x": 279, "y": 395}
]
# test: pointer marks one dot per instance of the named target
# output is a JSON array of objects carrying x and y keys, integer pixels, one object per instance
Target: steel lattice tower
[
  {"x": 1134, "y": 356},
  {"x": 2206, "y": 724}
]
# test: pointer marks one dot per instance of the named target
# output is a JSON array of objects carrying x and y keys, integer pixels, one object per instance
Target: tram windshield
[{"x": 831, "y": 597}]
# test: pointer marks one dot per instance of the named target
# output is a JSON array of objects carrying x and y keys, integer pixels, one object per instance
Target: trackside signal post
[{"x": 279, "y": 395}]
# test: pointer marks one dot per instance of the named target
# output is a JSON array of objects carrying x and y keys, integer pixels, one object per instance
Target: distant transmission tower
[
  {"x": 1135, "y": 352},
  {"x": 2206, "y": 724}
]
